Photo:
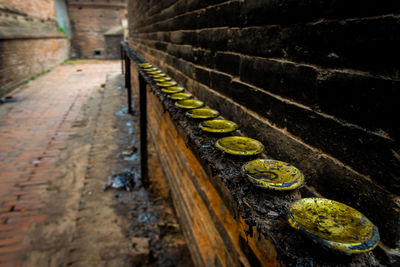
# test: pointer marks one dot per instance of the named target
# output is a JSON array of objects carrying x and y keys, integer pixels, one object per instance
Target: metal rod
[
  {"x": 128, "y": 83},
  {"x": 122, "y": 54},
  {"x": 143, "y": 131}
]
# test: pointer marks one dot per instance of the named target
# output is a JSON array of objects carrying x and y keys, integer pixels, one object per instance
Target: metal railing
[{"x": 129, "y": 57}]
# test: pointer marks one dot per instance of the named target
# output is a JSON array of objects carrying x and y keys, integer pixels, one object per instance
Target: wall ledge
[{"x": 13, "y": 33}]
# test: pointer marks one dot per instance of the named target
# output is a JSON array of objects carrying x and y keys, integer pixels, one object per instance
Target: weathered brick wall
[
  {"x": 199, "y": 203},
  {"x": 23, "y": 59},
  {"x": 43, "y": 9},
  {"x": 90, "y": 20},
  {"x": 29, "y": 41},
  {"x": 315, "y": 81}
]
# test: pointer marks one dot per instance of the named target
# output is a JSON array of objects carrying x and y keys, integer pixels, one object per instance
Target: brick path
[{"x": 34, "y": 133}]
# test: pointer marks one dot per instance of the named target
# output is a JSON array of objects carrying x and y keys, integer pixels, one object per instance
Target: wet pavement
[{"x": 63, "y": 138}]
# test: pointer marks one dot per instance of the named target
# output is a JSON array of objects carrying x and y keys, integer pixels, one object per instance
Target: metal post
[
  {"x": 143, "y": 131},
  {"x": 128, "y": 83},
  {"x": 122, "y": 54}
]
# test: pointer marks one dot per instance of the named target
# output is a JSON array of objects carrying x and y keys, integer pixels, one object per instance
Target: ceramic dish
[
  {"x": 163, "y": 79},
  {"x": 218, "y": 126},
  {"x": 273, "y": 174},
  {"x": 154, "y": 72},
  {"x": 334, "y": 225},
  {"x": 202, "y": 113},
  {"x": 145, "y": 65},
  {"x": 189, "y": 103},
  {"x": 159, "y": 75},
  {"x": 167, "y": 84},
  {"x": 172, "y": 89},
  {"x": 151, "y": 69},
  {"x": 181, "y": 96},
  {"x": 238, "y": 145}
]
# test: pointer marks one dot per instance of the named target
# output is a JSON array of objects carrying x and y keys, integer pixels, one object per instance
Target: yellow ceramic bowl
[
  {"x": 167, "y": 84},
  {"x": 202, "y": 113},
  {"x": 163, "y": 79},
  {"x": 334, "y": 225},
  {"x": 273, "y": 174},
  {"x": 218, "y": 126},
  {"x": 159, "y": 75},
  {"x": 151, "y": 69},
  {"x": 173, "y": 89},
  {"x": 181, "y": 96},
  {"x": 189, "y": 103},
  {"x": 145, "y": 65},
  {"x": 154, "y": 72},
  {"x": 238, "y": 145}
]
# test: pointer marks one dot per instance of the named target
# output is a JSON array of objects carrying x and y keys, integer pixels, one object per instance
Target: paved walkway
[{"x": 36, "y": 135}]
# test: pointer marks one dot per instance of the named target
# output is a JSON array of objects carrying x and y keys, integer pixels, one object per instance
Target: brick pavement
[{"x": 34, "y": 134}]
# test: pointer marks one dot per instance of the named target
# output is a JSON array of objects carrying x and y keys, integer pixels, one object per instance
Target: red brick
[
  {"x": 12, "y": 249},
  {"x": 14, "y": 214},
  {"x": 32, "y": 183},
  {"x": 14, "y": 227},
  {"x": 26, "y": 219},
  {"x": 10, "y": 241}
]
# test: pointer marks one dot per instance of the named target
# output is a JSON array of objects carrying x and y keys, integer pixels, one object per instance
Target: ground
[{"x": 63, "y": 136}]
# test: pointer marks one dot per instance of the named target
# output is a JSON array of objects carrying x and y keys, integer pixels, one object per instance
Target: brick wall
[
  {"x": 90, "y": 20},
  {"x": 315, "y": 81},
  {"x": 22, "y": 60},
  {"x": 29, "y": 41},
  {"x": 203, "y": 210},
  {"x": 43, "y": 9}
]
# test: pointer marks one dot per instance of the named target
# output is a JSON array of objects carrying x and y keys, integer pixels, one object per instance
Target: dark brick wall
[
  {"x": 90, "y": 20},
  {"x": 316, "y": 81}
]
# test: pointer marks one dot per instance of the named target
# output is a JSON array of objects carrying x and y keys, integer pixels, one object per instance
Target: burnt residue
[{"x": 262, "y": 210}]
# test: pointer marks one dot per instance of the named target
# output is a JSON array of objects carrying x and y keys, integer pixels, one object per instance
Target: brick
[
  {"x": 8, "y": 259},
  {"x": 25, "y": 219},
  {"x": 204, "y": 58},
  {"x": 13, "y": 227},
  {"x": 34, "y": 183},
  {"x": 221, "y": 82},
  {"x": 268, "y": 41},
  {"x": 15, "y": 214},
  {"x": 202, "y": 76},
  {"x": 226, "y": 14},
  {"x": 13, "y": 249},
  {"x": 287, "y": 79},
  {"x": 159, "y": 46},
  {"x": 364, "y": 100},
  {"x": 226, "y": 62},
  {"x": 181, "y": 51},
  {"x": 367, "y": 44},
  {"x": 10, "y": 241},
  {"x": 215, "y": 39},
  {"x": 260, "y": 102}
]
